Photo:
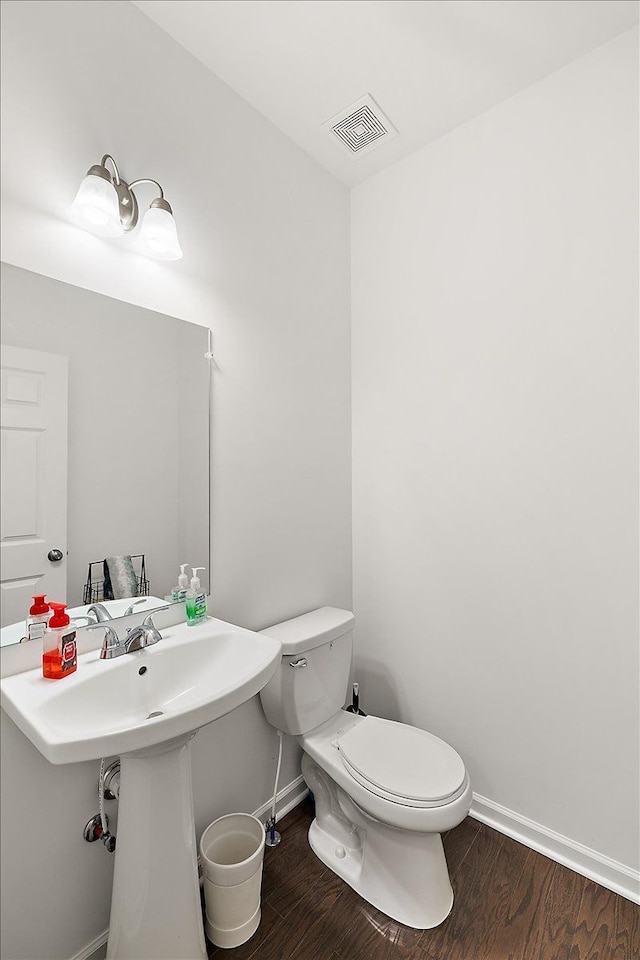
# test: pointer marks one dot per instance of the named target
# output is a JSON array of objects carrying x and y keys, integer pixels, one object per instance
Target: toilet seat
[{"x": 401, "y": 763}]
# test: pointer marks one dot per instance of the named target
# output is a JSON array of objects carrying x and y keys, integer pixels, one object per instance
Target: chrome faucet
[
  {"x": 137, "y": 638},
  {"x": 100, "y": 612},
  {"x": 143, "y": 636}
]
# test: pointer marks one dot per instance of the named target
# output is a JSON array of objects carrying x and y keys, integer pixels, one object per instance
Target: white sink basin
[
  {"x": 112, "y": 707},
  {"x": 146, "y": 706}
]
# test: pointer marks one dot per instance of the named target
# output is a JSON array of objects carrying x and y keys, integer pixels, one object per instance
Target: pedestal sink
[{"x": 146, "y": 707}]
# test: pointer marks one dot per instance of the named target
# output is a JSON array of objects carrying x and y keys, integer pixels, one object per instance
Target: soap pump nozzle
[
  {"x": 195, "y": 580},
  {"x": 183, "y": 580},
  {"x": 60, "y": 617}
]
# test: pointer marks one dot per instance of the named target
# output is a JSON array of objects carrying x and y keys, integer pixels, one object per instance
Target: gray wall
[
  {"x": 265, "y": 233},
  {"x": 496, "y": 450}
]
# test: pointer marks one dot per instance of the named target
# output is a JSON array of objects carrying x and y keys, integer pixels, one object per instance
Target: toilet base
[{"x": 401, "y": 872}]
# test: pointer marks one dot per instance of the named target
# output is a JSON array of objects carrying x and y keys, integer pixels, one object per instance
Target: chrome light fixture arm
[
  {"x": 127, "y": 203},
  {"x": 158, "y": 202},
  {"x": 116, "y": 172},
  {"x": 110, "y": 213}
]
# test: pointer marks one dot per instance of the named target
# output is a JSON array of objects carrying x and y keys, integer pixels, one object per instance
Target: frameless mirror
[{"x": 116, "y": 464}]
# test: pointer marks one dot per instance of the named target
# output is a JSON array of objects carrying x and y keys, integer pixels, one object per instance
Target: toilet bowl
[{"x": 384, "y": 791}]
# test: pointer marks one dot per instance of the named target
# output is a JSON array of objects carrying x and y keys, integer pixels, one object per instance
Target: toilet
[{"x": 384, "y": 791}]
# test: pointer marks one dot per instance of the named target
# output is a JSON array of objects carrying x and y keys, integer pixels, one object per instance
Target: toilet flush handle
[{"x": 300, "y": 662}]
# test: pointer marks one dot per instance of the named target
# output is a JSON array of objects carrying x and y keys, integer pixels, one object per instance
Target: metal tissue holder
[{"x": 94, "y": 589}]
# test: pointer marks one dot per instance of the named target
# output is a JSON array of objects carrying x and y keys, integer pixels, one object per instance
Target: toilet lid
[{"x": 402, "y": 763}]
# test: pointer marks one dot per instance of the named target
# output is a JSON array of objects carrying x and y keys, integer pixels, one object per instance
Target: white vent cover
[{"x": 361, "y": 126}]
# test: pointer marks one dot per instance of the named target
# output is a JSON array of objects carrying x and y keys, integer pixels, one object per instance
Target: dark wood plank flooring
[{"x": 510, "y": 904}]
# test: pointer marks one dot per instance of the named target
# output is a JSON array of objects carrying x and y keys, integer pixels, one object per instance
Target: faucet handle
[
  {"x": 154, "y": 633},
  {"x": 111, "y": 646},
  {"x": 132, "y": 606},
  {"x": 143, "y": 636},
  {"x": 147, "y": 624}
]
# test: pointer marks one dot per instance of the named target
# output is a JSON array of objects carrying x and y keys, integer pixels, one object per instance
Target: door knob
[{"x": 55, "y": 556}]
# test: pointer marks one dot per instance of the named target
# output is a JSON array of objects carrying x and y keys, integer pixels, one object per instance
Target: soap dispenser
[
  {"x": 59, "y": 653},
  {"x": 179, "y": 592},
  {"x": 196, "y": 601}
]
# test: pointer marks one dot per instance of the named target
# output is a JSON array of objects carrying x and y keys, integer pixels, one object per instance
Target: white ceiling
[{"x": 430, "y": 64}]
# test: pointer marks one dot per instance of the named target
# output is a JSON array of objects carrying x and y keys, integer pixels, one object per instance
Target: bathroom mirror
[{"x": 137, "y": 477}]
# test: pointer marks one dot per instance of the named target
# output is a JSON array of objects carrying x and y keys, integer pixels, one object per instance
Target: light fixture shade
[
  {"x": 96, "y": 206},
  {"x": 158, "y": 236}
]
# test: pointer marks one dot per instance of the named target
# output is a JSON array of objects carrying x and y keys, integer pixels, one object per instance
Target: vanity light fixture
[{"x": 106, "y": 205}]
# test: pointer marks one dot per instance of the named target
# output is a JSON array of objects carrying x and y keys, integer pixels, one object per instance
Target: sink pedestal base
[{"x": 155, "y": 908}]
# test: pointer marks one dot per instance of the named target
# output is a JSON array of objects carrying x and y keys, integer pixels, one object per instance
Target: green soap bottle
[{"x": 196, "y": 601}]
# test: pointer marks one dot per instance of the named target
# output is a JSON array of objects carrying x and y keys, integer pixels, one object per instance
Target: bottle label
[
  {"x": 69, "y": 654},
  {"x": 196, "y": 608}
]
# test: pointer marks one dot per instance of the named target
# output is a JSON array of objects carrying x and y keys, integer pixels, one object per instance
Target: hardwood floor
[{"x": 510, "y": 904}]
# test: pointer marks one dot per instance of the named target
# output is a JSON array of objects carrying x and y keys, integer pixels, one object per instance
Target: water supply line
[
  {"x": 107, "y": 838},
  {"x": 273, "y": 838},
  {"x": 101, "y": 797},
  {"x": 98, "y": 827},
  {"x": 354, "y": 706}
]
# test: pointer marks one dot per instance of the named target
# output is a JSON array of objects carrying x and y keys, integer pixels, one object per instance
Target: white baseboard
[
  {"x": 95, "y": 950},
  {"x": 286, "y": 799},
  {"x": 585, "y": 861}
]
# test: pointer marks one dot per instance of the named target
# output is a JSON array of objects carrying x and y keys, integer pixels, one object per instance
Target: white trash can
[{"x": 232, "y": 852}]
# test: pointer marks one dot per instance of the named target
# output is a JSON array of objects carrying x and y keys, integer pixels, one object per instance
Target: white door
[{"x": 33, "y": 521}]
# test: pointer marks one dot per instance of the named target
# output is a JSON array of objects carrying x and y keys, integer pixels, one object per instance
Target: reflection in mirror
[
  {"x": 89, "y": 614},
  {"x": 105, "y": 442}
]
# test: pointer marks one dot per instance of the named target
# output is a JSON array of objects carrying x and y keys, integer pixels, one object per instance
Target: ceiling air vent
[{"x": 361, "y": 126}]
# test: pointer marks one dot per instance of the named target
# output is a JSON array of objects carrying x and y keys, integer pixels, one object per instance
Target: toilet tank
[{"x": 310, "y": 685}]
